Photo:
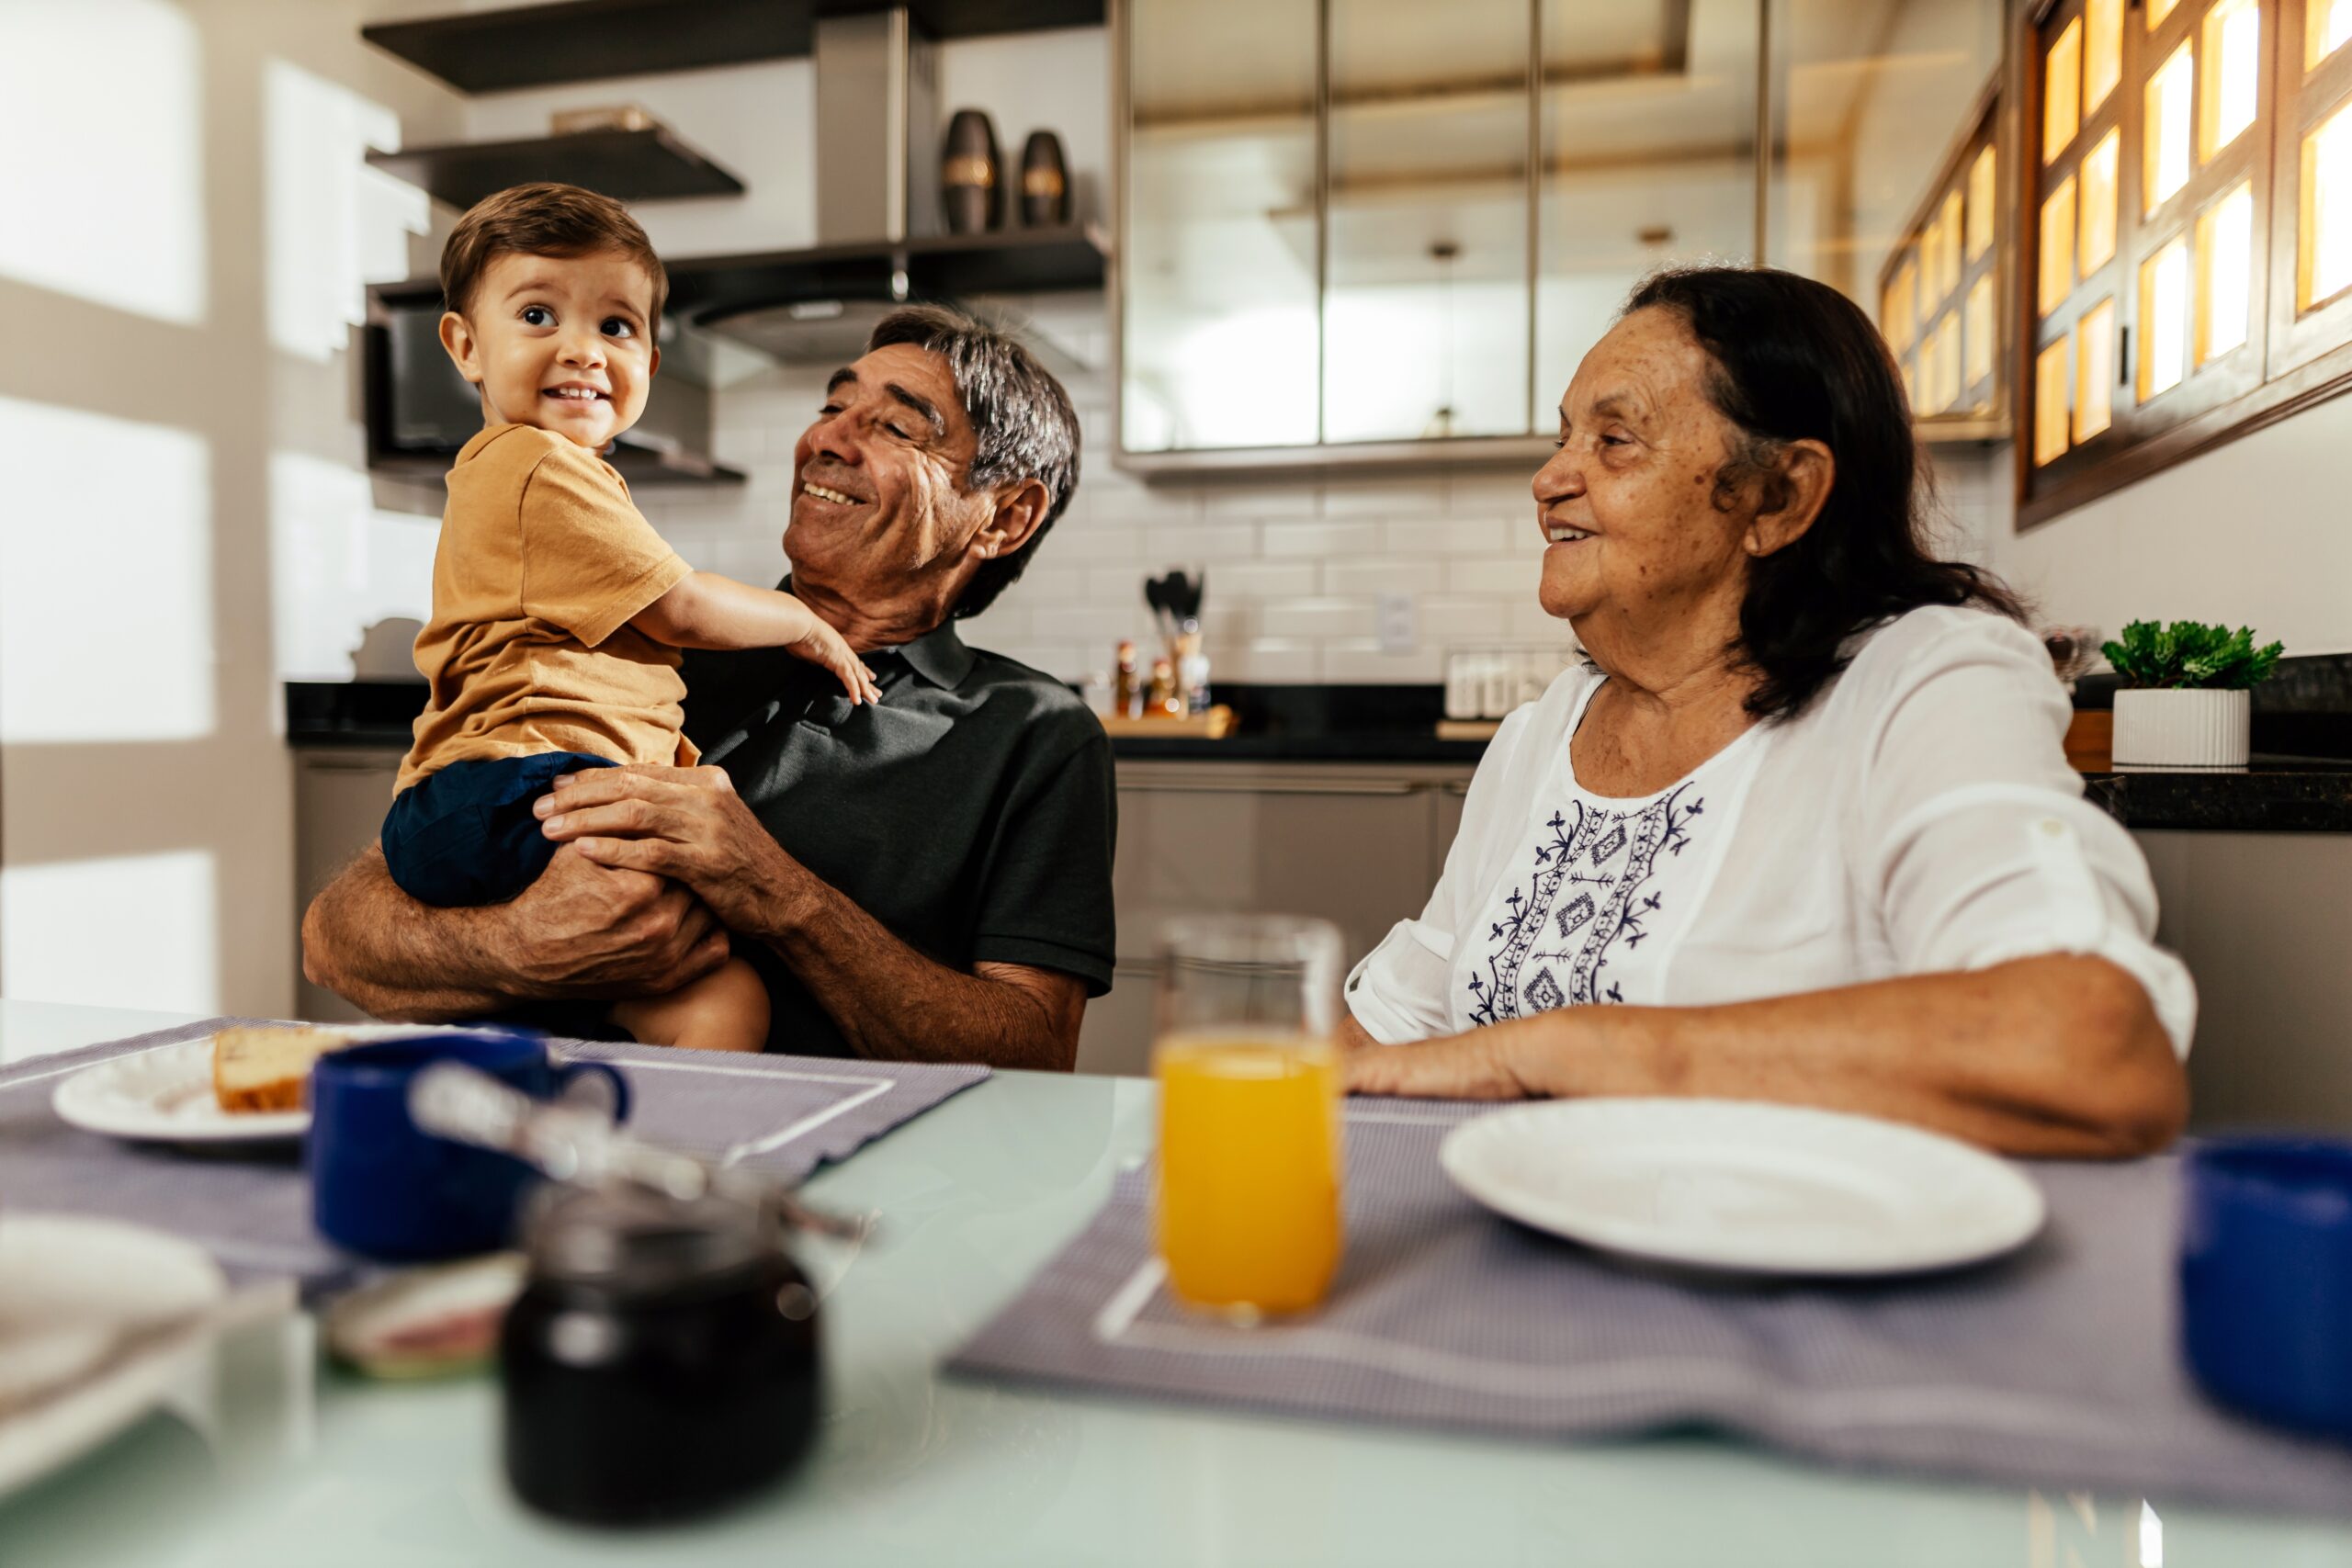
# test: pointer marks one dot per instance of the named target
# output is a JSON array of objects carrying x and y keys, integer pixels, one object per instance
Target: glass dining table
[{"x": 266, "y": 1455}]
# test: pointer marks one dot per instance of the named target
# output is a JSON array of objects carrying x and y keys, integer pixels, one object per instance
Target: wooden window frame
[
  {"x": 2289, "y": 361},
  {"x": 1982, "y": 408}
]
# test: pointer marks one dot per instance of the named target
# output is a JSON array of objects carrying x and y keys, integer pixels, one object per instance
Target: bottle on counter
[
  {"x": 1167, "y": 699},
  {"x": 1126, "y": 691}
]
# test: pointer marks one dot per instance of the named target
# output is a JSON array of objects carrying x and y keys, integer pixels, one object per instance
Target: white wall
[
  {"x": 184, "y": 232},
  {"x": 2249, "y": 534}
]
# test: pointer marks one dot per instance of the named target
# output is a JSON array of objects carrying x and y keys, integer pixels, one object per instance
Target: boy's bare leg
[{"x": 727, "y": 1009}]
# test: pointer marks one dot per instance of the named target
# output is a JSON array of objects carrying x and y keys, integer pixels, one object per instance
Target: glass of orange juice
[{"x": 1248, "y": 1073}]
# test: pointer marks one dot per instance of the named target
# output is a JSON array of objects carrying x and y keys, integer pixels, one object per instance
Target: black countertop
[{"x": 2300, "y": 780}]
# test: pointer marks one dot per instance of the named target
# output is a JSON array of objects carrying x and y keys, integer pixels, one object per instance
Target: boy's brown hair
[{"x": 544, "y": 219}]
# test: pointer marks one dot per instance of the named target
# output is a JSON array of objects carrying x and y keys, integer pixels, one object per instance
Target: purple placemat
[
  {"x": 250, "y": 1205},
  {"x": 2057, "y": 1366}
]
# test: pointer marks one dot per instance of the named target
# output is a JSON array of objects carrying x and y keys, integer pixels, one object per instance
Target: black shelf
[
  {"x": 1009, "y": 261},
  {"x": 640, "y": 465},
  {"x": 628, "y": 165},
  {"x": 585, "y": 40}
]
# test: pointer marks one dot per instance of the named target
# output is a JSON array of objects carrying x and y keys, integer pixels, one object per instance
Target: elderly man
[{"x": 924, "y": 879}]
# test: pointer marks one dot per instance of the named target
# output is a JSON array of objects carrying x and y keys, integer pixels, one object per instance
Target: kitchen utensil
[
  {"x": 2265, "y": 1278},
  {"x": 385, "y": 1186},
  {"x": 572, "y": 1142},
  {"x": 1745, "y": 1186}
]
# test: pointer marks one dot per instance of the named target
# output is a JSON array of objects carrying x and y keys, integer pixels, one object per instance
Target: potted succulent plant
[{"x": 2186, "y": 700}]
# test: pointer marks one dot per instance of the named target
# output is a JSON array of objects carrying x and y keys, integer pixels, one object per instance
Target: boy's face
[{"x": 562, "y": 343}]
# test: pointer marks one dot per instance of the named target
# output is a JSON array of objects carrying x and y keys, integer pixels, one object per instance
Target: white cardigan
[{"x": 1919, "y": 817}]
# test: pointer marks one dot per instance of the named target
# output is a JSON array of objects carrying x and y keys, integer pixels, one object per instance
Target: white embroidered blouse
[{"x": 1919, "y": 817}]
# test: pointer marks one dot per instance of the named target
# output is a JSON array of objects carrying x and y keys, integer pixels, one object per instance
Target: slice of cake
[{"x": 267, "y": 1068}]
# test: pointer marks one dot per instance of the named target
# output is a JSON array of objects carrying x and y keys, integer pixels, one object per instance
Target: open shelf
[
  {"x": 639, "y": 466},
  {"x": 587, "y": 40},
  {"x": 628, "y": 165},
  {"x": 1007, "y": 261}
]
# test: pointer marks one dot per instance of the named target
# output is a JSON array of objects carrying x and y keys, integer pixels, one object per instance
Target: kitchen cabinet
[
  {"x": 2259, "y": 919},
  {"x": 340, "y": 798},
  {"x": 1360, "y": 846}
]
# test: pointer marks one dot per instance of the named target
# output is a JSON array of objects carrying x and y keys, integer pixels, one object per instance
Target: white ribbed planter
[{"x": 2182, "y": 728}]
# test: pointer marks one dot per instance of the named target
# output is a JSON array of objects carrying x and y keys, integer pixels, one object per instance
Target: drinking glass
[{"x": 1248, "y": 1070}]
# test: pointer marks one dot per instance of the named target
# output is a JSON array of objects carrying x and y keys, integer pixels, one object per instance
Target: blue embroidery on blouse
[{"x": 1621, "y": 848}]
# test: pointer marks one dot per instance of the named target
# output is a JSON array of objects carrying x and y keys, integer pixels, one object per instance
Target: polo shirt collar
[{"x": 938, "y": 656}]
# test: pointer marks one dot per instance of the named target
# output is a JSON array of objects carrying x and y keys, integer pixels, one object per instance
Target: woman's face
[{"x": 1634, "y": 539}]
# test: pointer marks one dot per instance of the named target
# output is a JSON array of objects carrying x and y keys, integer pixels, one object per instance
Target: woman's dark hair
[{"x": 1796, "y": 360}]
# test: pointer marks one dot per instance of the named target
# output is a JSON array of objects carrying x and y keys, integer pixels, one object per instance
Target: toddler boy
[{"x": 558, "y": 612}]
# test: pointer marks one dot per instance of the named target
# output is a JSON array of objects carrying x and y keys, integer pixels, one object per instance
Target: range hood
[{"x": 878, "y": 224}]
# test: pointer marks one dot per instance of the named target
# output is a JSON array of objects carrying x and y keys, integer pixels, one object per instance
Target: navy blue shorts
[{"x": 466, "y": 835}]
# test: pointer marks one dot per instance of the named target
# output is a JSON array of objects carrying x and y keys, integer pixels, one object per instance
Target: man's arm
[
  {"x": 582, "y": 930},
  {"x": 890, "y": 1002}
]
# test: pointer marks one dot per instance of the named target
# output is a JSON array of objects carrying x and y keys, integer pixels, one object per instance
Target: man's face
[
  {"x": 879, "y": 492},
  {"x": 561, "y": 343}
]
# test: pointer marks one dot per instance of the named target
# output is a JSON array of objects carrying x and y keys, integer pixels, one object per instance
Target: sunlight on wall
[
  {"x": 338, "y": 565},
  {"x": 120, "y": 222},
  {"x": 105, "y": 579},
  {"x": 335, "y": 225},
  {"x": 161, "y": 942}
]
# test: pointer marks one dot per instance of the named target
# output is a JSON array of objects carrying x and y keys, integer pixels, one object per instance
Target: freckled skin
[
  {"x": 1655, "y": 595},
  {"x": 887, "y": 569}
]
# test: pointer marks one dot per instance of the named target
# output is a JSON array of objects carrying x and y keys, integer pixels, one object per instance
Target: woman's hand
[
  {"x": 1494, "y": 1062},
  {"x": 687, "y": 824}
]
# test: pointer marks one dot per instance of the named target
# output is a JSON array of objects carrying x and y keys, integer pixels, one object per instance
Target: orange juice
[{"x": 1249, "y": 1169}]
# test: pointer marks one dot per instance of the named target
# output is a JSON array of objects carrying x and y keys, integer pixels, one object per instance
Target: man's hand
[
  {"x": 686, "y": 823},
  {"x": 585, "y": 930}
]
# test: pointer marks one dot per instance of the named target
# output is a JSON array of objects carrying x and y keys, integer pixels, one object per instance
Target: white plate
[
  {"x": 1744, "y": 1185},
  {"x": 70, "y": 1290},
  {"x": 164, "y": 1094}
]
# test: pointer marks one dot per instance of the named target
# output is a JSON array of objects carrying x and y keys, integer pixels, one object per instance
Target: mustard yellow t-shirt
[{"x": 542, "y": 562}]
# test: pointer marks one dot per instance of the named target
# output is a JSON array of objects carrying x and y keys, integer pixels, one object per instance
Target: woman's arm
[{"x": 2055, "y": 1056}]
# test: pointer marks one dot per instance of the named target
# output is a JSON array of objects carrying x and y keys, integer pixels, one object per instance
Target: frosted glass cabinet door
[
  {"x": 1425, "y": 323},
  {"x": 1219, "y": 277}
]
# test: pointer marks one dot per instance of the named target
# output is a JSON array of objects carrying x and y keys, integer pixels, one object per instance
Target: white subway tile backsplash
[
  {"x": 1292, "y": 539},
  {"x": 1362, "y": 575},
  {"x": 1296, "y": 567},
  {"x": 1269, "y": 661},
  {"x": 1360, "y": 662},
  {"x": 1232, "y": 581},
  {"x": 1504, "y": 577},
  {"x": 1191, "y": 543},
  {"x": 1322, "y": 618}
]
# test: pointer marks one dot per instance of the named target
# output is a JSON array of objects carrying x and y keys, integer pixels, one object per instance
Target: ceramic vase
[
  {"x": 968, "y": 168},
  {"x": 1045, "y": 182},
  {"x": 2182, "y": 728}
]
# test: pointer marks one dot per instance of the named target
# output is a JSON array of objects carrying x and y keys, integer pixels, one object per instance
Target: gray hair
[{"x": 1019, "y": 413}]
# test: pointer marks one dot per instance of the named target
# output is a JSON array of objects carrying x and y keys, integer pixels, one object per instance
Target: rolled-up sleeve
[
  {"x": 1977, "y": 843},
  {"x": 1400, "y": 991}
]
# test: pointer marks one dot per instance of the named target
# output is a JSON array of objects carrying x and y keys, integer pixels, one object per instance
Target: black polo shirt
[{"x": 971, "y": 811}]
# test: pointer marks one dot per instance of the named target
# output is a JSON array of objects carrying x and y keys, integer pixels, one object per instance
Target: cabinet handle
[{"x": 1276, "y": 787}]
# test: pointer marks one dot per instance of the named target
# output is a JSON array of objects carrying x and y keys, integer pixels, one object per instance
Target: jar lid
[{"x": 634, "y": 1241}]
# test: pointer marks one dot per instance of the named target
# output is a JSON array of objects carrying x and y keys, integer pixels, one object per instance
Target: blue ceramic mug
[
  {"x": 381, "y": 1187},
  {"x": 2265, "y": 1278}
]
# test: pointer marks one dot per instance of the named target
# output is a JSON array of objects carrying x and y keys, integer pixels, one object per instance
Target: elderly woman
[{"x": 1803, "y": 828}]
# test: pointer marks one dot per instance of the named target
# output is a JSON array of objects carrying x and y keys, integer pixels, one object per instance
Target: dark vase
[
  {"x": 968, "y": 168},
  {"x": 1045, "y": 182}
]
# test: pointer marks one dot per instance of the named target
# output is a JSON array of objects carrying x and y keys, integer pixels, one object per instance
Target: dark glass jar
[{"x": 661, "y": 1361}]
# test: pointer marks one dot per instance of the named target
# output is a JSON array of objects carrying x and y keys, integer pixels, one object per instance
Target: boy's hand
[{"x": 823, "y": 646}]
